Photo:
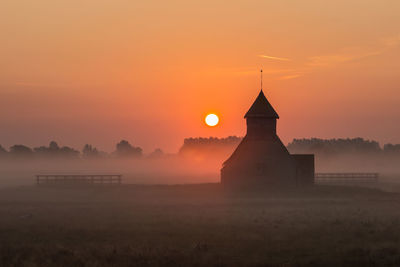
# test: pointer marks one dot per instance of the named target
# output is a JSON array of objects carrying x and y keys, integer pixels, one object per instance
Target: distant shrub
[
  {"x": 3, "y": 152},
  {"x": 89, "y": 151},
  {"x": 157, "y": 153},
  {"x": 125, "y": 150},
  {"x": 209, "y": 146},
  {"x": 21, "y": 151},
  {"x": 391, "y": 149},
  {"x": 54, "y": 151}
]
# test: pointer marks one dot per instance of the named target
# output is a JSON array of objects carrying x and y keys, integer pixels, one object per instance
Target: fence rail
[
  {"x": 347, "y": 177},
  {"x": 78, "y": 179}
]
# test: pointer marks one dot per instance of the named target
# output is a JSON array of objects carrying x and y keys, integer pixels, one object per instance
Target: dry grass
[{"x": 199, "y": 225}]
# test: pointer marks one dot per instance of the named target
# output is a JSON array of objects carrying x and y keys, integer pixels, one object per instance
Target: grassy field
[{"x": 198, "y": 225}]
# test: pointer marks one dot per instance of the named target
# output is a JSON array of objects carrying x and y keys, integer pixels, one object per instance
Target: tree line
[
  {"x": 341, "y": 146},
  {"x": 316, "y": 146},
  {"x": 123, "y": 149},
  {"x": 211, "y": 146},
  {"x": 205, "y": 146}
]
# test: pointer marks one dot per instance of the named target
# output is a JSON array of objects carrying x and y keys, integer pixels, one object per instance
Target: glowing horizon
[{"x": 98, "y": 72}]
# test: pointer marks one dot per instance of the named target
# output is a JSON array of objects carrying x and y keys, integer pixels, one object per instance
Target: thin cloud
[
  {"x": 289, "y": 77},
  {"x": 296, "y": 69},
  {"x": 277, "y": 71},
  {"x": 347, "y": 55},
  {"x": 355, "y": 53},
  {"x": 274, "y": 58},
  {"x": 252, "y": 71},
  {"x": 328, "y": 60},
  {"x": 391, "y": 41}
]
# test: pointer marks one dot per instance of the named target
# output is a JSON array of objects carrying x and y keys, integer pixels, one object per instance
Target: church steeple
[
  {"x": 261, "y": 108},
  {"x": 261, "y": 118}
]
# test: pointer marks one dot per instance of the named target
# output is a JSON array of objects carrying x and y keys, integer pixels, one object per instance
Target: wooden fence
[
  {"x": 345, "y": 177},
  {"x": 78, "y": 179}
]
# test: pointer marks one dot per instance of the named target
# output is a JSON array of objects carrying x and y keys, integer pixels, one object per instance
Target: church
[{"x": 261, "y": 159}]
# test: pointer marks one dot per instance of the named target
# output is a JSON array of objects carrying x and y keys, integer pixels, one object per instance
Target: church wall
[
  {"x": 305, "y": 169},
  {"x": 275, "y": 171}
]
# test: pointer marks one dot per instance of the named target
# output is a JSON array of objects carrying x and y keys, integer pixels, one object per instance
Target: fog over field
[
  {"x": 173, "y": 170},
  {"x": 199, "y": 160},
  {"x": 171, "y": 210}
]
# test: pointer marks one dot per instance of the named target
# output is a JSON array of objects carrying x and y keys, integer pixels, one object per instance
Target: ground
[{"x": 198, "y": 225}]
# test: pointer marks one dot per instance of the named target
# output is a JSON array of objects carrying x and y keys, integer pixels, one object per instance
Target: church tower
[
  {"x": 261, "y": 158},
  {"x": 261, "y": 118}
]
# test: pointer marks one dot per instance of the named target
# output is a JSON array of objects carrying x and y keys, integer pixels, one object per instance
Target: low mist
[
  {"x": 199, "y": 160},
  {"x": 167, "y": 170}
]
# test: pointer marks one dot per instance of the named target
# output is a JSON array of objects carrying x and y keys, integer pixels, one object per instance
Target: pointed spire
[{"x": 261, "y": 108}]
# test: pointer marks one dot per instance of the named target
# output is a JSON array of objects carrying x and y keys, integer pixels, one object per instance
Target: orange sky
[{"x": 97, "y": 71}]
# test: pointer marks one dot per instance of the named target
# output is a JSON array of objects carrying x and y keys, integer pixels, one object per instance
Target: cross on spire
[{"x": 261, "y": 80}]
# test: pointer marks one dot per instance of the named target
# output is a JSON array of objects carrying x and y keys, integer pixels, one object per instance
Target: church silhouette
[{"x": 261, "y": 158}]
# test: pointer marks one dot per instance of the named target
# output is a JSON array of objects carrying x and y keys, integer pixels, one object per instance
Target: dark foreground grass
[{"x": 199, "y": 225}]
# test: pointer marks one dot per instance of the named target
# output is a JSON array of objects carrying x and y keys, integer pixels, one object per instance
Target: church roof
[
  {"x": 261, "y": 108},
  {"x": 268, "y": 149}
]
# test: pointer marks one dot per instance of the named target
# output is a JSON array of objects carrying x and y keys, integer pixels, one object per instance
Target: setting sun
[{"x": 212, "y": 120}]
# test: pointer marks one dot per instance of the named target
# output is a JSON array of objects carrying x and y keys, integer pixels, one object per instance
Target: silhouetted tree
[
  {"x": 53, "y": 146},
  {"x": 21, "y": 151},
  {"x": 54, "y": 151},
  {"x": 44, "y": 151},
  {"x": 40, "y": 151},
  {"x": 68, "y": 152},
  {"x": 124, "y": 149},
  {"x": 391, "y": 149},
  {"x": 157, "y": 153},
  {"x": 89, "y": 151},
  {"x": 3, "y": 152}
]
